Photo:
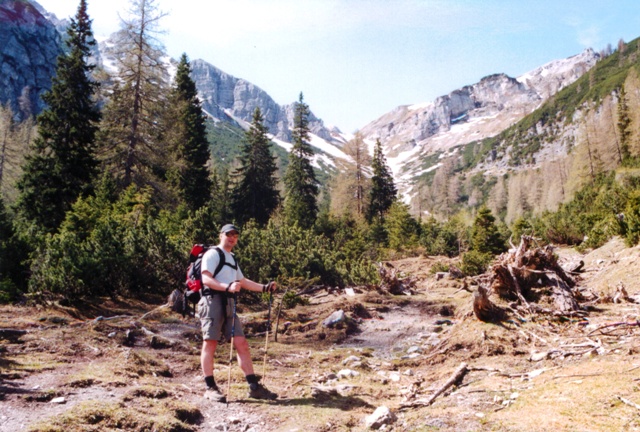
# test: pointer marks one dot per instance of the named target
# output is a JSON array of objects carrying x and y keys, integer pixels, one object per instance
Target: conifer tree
[
  {"x": 63, "y": 163},
  {"x": 402, "y": 229},
  {"x": 624, "y": 124},
  {"x": 7, "y": 255},
  {"x": 485, "y": 237},
  {"x": 255, "y": 195},
  {"x": 301, "y": 186},
  {"x": 186, "y": 134},
  {"x": 351, "y": 186},
  {"x": 383, "y": 190},
  {"x": 129, "y": 135}
]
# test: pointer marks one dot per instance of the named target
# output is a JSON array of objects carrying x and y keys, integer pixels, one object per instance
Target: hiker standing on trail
[{"x": 216, "y": 312}]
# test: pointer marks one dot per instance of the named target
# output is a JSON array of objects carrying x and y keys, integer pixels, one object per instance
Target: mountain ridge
[{"x": 411, "y": 133}]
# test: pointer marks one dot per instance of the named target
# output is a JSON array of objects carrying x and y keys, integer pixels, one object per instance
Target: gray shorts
[{"x": 214, "y": 321}]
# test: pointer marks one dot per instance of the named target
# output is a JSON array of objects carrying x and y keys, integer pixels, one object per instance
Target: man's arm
[
  {"x": 213, "y": 283},
  {"x": 254, "y": 286}
]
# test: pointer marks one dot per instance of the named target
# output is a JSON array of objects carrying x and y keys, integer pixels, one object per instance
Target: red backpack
[{"x": 194, "y": 271}]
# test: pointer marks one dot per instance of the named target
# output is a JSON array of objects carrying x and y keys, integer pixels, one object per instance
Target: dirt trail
[{"x": 395, "y": 331}]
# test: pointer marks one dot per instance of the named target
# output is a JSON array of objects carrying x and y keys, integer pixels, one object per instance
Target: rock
[
  {"x": 410, "y": 356},
  {"x": 29, "y": 47},
  {"x": 330, "y": 376},
  {"x": 414, "y": 349},
  {"x": 441, "y": 275},
  {"x": 345, "y": 389},
  {"x": 538, "y": 356},
  {"x": 394, "y": 376},
  {"x": 381, "y": 416},
  {"x": 347, "y": 373},
  {"x": 323, "y": 392},
  {"x": 58, "y": 400},
  {"x": 335, "y": 318},
  {"x": 351, "y": 359}
]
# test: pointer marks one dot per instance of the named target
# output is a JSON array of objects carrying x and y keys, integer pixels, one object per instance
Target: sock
[
  {"x": 211, "y": 383},
  {"x": 252, "y": 380}
]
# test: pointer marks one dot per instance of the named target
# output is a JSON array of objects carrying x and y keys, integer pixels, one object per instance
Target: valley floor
[{"x": 135, "y": 366}]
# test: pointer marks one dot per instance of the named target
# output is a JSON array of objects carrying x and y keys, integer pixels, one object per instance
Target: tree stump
[{"x": 484, "y": 309}]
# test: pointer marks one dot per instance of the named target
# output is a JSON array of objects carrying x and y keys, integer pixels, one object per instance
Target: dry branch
[
  {"x": 456, "y": 377},
  {"x": 616, "y": 324},
  {"x": 628, "y": 402}
]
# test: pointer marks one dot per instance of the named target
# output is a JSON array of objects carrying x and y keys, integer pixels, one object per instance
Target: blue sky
[{"x": 356, "y": 60}]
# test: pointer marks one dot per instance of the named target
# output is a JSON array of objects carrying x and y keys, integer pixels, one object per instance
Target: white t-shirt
[{"x": 227, "y": 274}]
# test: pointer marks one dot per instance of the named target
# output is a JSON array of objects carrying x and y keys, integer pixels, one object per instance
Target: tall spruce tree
[
  {"x": 129, "y": 134},
  {"x": 383, "y": 191},
  {"x": 301, "y": 186},
  {"x": 186, "y": 134},
  {"x": 63, "y": 163},
  {"x": 255, "y": 195}
]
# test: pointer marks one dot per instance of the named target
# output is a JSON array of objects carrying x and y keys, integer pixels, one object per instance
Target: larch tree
[
  {"x": 383, "y": 190},
  {"x": 255, "y": 194},
  {"x": 63, "y": 162},
  {"x": 352, "y": 185},
  {"x": 129, "y": 135},
  {"x": 186, "y": 137},
  {"x": 301, "y": 186}
]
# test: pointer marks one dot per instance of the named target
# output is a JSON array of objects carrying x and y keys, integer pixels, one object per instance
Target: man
[{"x": 215, "y": 311}]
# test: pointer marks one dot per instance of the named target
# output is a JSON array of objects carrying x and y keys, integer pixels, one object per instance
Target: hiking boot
[
  {"x": 213, "y": 394},
  {"x": 258, "y": 391}
]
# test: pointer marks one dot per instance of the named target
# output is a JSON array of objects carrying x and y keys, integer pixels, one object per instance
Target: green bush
[
  {"x": 439, "y": 267},
  {"x": 281, "y": 251},
  {"x": 106, "y": 248},
  {"x": 475, "y": 262},
  {"x": 443, "y": 238}
]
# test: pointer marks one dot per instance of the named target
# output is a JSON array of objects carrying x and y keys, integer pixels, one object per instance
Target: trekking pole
[
  {"x": 266, "y": 340},
  {"x": 233, "y": 331},
  {"x": 275, "y": 338}
]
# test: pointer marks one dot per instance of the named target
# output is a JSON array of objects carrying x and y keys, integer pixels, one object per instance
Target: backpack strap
[{"x": 222, "y": 262}]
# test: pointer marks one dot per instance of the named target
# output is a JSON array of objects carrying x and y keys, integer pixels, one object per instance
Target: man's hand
[
  {"x": 269, "y": 287},
  {"x": 234, "y": 287}
]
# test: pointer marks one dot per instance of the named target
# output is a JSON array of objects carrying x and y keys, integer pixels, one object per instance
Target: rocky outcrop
[
  {"x": 552, "y": 77},
  {"x": 227, "y": 98},
  {"x": 29, "y": 47}
]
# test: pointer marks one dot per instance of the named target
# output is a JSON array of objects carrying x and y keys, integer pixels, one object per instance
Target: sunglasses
[{"x": 232, "y": 234}]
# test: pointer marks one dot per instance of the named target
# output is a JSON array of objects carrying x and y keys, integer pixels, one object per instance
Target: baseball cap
[{"x": 229, "y": 227}]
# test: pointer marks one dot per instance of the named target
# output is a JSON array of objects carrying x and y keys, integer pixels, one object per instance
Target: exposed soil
[{"x": 138, "y": 368}]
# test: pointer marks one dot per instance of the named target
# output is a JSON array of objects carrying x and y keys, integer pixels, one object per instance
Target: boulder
[{"x": 381, "y": 416}]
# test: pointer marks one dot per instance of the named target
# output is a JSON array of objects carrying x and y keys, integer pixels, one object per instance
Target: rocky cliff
[
  {"x": 29, "y": 47},
  {"x": 227, "y": 98}
]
